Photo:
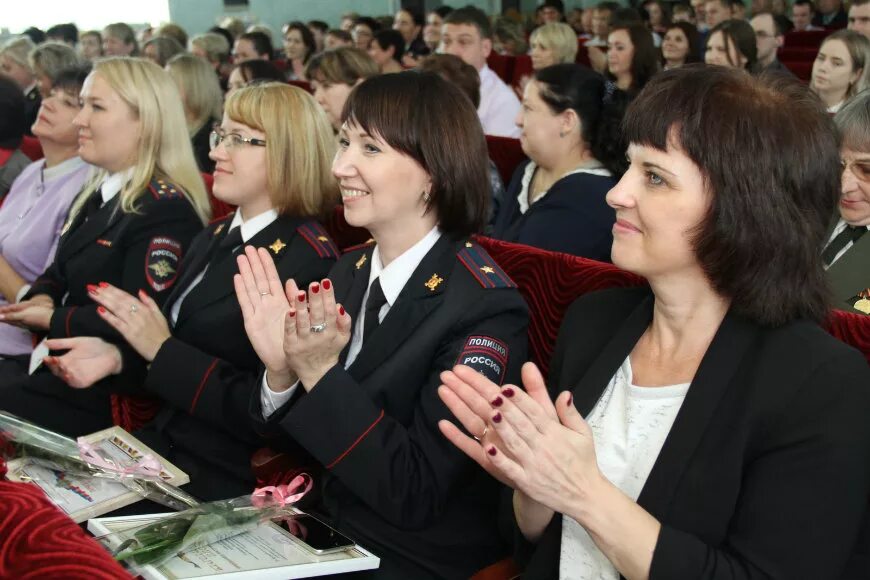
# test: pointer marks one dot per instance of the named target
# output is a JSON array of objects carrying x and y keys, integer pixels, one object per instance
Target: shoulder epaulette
[
  {"x": 318, "y": 238},
  {"x": 162, "y": 189},
  {"x": 483, "y": 268},
  {"x": 366, "y": 244}
]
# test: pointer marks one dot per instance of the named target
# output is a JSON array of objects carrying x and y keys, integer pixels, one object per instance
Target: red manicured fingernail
[
  {"x": 104, "y": 284},
  {"x": 101, "y": 310},
  {"x": 327, "y": 284},
  {"x": 291, "y": 313},
  {"x": 91, "y": 288},
  {"x": 497, "y": 402},
  {"x": 508, "y": 392},
  {"x": 341, "y": 310},
  {"x": 301, "y": 297},
  {"x": 491, "y": 451},
  {"x": 142, "y": 293},
  {"x": 315, "y": 288},
  {"x": 570, "y": 399},
  {"x": 496, "y": 418}
]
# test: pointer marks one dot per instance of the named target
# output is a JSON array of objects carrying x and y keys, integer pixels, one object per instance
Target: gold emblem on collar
[
  {"x": 361, "y": 261},
  {"x": 467, "y": 244},
  {"x": 487, "y": 270},
  {"x": 433, "y": 282},
  {"x": 862, "y": 305},
  {"x": 219, "y": 229},
  {"x": 277, "y": 246},
  {"x": 322, "y": 239}
]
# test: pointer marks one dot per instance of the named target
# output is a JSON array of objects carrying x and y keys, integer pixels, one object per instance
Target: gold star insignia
[
  {"x": 162, "y": 269},
  {"x": 487, "y": 270},
  {"x": 219, "y": 229},
  {"x": 360, "y": 262},
  {"x": 433, "y": 282},
  {"x": 277, "y": 246},
  {"x": 467, "y": 244},
  {"x": 322, "y": 239}
]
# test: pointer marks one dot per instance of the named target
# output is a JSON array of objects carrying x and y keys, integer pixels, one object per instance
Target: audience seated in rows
[
  {"x": 13, "y": 124},
  {"x": 680, "y": 45},
  {"x": 632, "y": 59},
  {"x": 161, "y": 49},
  {"x": 299, "y": 47},
  {"x": 731, "y": 44},
  {"x": 334, "y": 74},
  {"x": 840, "y": 70},
  {"x": 15, "y": 65},
  {"x": 202, "y": 100},
  {"x": 387, "y": 49}
]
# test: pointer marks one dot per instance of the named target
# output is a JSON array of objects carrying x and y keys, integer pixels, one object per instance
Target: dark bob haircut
[
  {"x": 261, "y": 42},
  {"x": 260, "y": 71},
  {"x": 740, "y": 35},
  {"x": 307, "y": 38},
  {"x": 645, "y": 62},
  {"x": 694, "y": 39},
  {"x": 13, "y": 121},
  {"x": 388, "y": 38},
  {"x": 770, "y": 160},
  {"x": 438, "y": 127},
  {"x": 70, "y": 79}
]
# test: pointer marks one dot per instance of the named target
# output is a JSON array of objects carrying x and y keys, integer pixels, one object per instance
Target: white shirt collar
[
  {"x": 253, "y": 226},
  {"x": 523, "y": 196},
  {"x": 394, "y": 276},
  {"x": 114, "y": 182}
]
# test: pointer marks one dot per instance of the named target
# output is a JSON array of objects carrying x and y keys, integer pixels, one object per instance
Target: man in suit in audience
[
  {"x": 467, "y": 33},
  {"x": 830, "y": 14},
  {"x": 802, "y": 14},
  {"x": 859, "y": 17},
  {"x": 769, "y": 37}
]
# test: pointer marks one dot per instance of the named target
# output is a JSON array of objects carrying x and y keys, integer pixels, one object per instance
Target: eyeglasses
[
  {"x": 232, "y": 140},
  {"x": 860, "y": 169}
]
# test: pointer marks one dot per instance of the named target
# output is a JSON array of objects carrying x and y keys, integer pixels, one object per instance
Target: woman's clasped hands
[
  {"x": 542, "y": 449},
  {"x": 34, "y": 314},
  {"x": 298, "y": 336}
]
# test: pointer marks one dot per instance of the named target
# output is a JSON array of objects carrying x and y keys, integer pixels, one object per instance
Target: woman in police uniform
[
  {"x": 353, "y": 378},
  {"x": 129, "y": 227},
  {"x": 272, "y": 152}
]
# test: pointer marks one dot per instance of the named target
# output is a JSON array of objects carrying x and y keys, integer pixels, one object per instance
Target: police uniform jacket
[
  {"x": 205, "y": 373},
  {"x": 391, "y": 481},
  {"x": 766, "y": 470},
  {"x": 131, "y": 251},
  {"x": 849, "y": 277}
]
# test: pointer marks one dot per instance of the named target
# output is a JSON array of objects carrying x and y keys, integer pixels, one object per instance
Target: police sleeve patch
[
  {"x": 486, "y": 355},
  {"x": 161, "y": 263}
]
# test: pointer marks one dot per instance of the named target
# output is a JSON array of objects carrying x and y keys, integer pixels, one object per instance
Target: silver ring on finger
[
  {"x": 265, "y": 293},
  {"x": 317, "y": 328},
  {"x": 482, "y": 435},
  {"x": 133, "y": 309}
]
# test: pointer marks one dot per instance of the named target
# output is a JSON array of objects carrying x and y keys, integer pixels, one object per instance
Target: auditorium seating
[
  {"x": 219, "y": 209},
  {"x": 302, "y": 85},
  {"x": 31, "y": 147},
  {"x": 806, "y": 38},
  {"x": 501, "y": 65},
  {"x": 507, "y": 154},
  {"x": 522, "y": 68}
]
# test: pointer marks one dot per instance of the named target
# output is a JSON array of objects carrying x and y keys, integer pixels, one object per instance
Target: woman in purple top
[{"x": 34, "y": 211}]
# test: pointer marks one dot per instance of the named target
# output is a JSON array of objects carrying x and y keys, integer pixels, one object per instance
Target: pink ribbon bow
[
  {"x": 282, "y": 495},
  {"x": 148, "y": 466}
]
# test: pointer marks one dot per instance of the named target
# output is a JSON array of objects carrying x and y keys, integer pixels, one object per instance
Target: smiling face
[
  {"x": 675, "y": 46},
  {"x": 241, "y": 172},
  {"x": 854, "y": 203},
  {"x": 620, "y": 53},
  {"x": 109, "y": 130},
  {"x": 55, "y": 120},
  {"x": 659, "y": 202},
  {"x": 331, "y": 97},
  {"x": 382, "y": 189},
  {"x": 832, "y": 70}
]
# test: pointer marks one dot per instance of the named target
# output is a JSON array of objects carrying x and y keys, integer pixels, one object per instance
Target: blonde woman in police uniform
[{"x": 353, "y": 377}]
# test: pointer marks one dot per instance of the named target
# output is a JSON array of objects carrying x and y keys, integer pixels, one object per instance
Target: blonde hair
[
  {"x": 558, "y": 37},
  {"x": 49, "y": 58},
  {"x": 199, "y": 87},
  {"x": 164, "y": 150},
  {"x": 18, "y": 49},
  {"x": 215, "y": 46},
  {"x": 345, "y": 64},
  {"x": 300, "y": 145}
]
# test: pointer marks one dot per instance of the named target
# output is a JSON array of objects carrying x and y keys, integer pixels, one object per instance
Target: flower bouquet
[
  {"x": 21, "y": 439},
  {"x": 207, "y": 523}
]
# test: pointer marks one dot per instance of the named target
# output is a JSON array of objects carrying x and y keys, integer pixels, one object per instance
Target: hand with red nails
[
  {"x": 139, "y": 320},
  {"x": 87, "y": 361},
  {"x": 33, "y": 314},
  {"x": 310, "y": 352},
  {"x": 543, "y": 449}
]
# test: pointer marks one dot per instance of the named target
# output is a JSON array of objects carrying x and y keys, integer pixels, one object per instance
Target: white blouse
[{"x": 629, "y": 426}]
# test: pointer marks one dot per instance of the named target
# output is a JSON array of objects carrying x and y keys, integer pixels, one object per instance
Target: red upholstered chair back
[
  {"x": 31, "y": 147},
  {"x": 343, "y": 234},
  {"x": 281, "y": 64},
  {"x": 582, "y": 53},
  {"x": 811, "y": 38},
  {"x": 302, "y": 85},
  {"x": 798, "y": 53},
  {"x": 550, "y": 282},
  {"x": 37, "y": 540},
  {"x": 802, "y": 69},
  {"x": 522, "y": 68},
  {"x": 851, "y": 328},
  {"x": 501, "y": 65},
  {"x": 219, "y": 209},
  {"x": 506, "y": 153}
]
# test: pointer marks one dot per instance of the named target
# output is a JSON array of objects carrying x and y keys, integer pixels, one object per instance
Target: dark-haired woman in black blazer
[{"x": 706, "y": 427}]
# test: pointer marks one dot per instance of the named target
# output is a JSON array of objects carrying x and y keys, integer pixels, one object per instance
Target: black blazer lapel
[
  {"x": 350, "y": 291},
  {"x": 87, "y": 232},
  {"x": 191, "y": 266},
  {"x": 414, "y": 303},
  {"x": 732, "y": 341}
]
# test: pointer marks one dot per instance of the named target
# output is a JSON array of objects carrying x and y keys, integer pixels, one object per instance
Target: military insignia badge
[
  {"x": 277, "y": 246},
  {"x": 486, "y": 355},
  {"x": 361, "y": 262},
  {"x": 219, "y": 229},
  {"x": 161, "y": 263},
  {"x": 433, "y": 282},
  {"x": 862, "y": 301}
]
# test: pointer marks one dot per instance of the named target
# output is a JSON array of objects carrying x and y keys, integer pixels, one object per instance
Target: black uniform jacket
[
  {"x": 766, "y": 470},
  {"x": 131, "y": 251},
  {"x": 206, "y": 372},
  {"x": 391, "y": 480}
]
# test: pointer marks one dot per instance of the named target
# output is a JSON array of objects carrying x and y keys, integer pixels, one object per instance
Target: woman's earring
[{"x": 426, "y": 196}]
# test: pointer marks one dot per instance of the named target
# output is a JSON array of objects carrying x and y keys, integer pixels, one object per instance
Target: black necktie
[
  {"x": 374, "y": 303},
  {"x": 94, "y": 203},
  {"x": 232, "y": 240},
  {"x": 849, "y": 234}
]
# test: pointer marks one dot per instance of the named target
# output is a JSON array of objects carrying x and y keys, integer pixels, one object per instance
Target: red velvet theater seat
[
  {"x": 506, "y": 153},
  {"x": 31, "y": 147},
  {"x": 501, "y": 65},
  {"x": 37, "y": 540}
]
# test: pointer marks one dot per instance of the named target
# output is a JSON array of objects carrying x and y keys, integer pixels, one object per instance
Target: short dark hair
[
  {"x": 223, "y": 32},
  {"x": 740, "y": 35},
  {"x": 70, "y": 79},
  {"x": 260, "y": 71},
  {"x": 320, "y": 25},
  {"x": 473, "y": 17},
  {"x": 35, "y": 34},
  {"x": 557, "y": 4},
  {"x": 624, "y": 17},
  {"x": 573, "y": 86},
  {"x": 443, "y": 11},
  {"x": 645, "y": 62},
  {"x": 416, "y": 15},
  {"x": 770, "y": 160},
  {"x": 307, "y": 37},
  {"x": 391, "y": 38},
  {"x": 373, "y": 24},
  {"x": 342, "y": 35},
  {"x": 13, "y": 122},
  {"x": 691, "y": 33},
  {"x": 457, "y": 71},
  {"x": 440, "y": 130},
  {"x": 809, "y": 3},
  {"x": 68, "y": 33},
  {"x": 261, "y": 42}
]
